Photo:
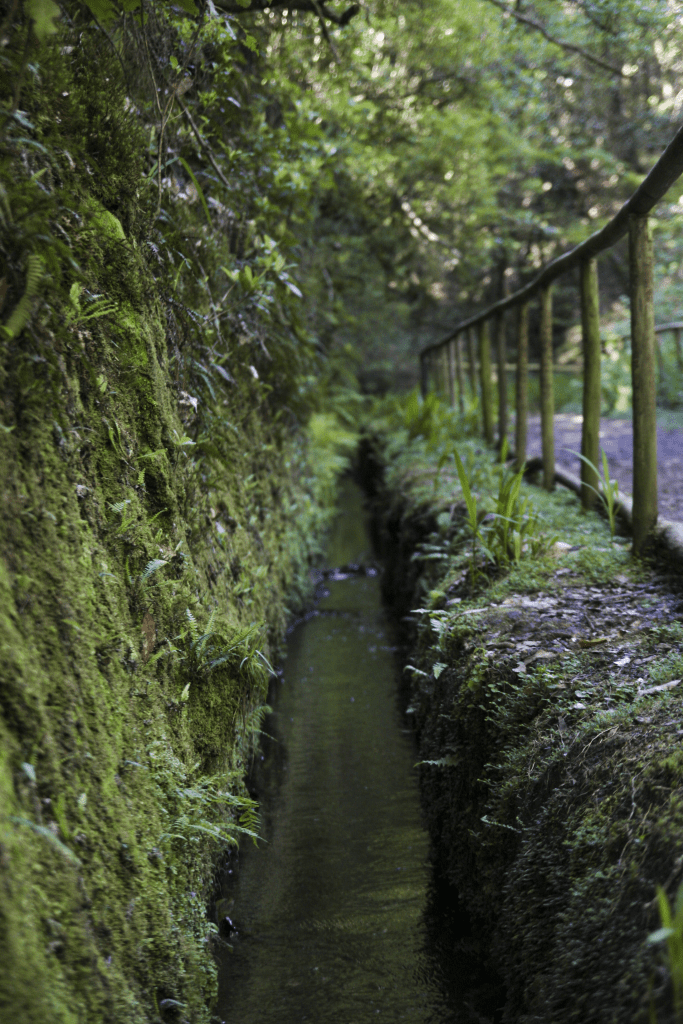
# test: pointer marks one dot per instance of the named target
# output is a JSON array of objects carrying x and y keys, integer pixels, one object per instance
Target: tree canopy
[{"x": 387, "y": 162}]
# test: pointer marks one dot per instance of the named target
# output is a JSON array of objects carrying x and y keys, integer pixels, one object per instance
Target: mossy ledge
[
  {"x": 554, "y": 831},
  {"x": 158, "y": 509}
]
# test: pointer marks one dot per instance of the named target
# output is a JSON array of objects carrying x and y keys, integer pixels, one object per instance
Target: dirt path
[{"x": 616, "y": 438}]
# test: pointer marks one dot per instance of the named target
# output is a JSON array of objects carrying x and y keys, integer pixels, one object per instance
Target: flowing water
[{"x": 331, "y": 916}]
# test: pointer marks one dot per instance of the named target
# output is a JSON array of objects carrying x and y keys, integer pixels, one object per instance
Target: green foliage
[
  {"x": 608, "y": 491},
  {"x": 514, "y": 529},
  {"x": 671, "y": 933}
]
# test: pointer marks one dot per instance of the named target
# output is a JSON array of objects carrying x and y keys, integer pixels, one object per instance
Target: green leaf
[
  {"x": 51, "y": 838},
  {"x": 188, "y": 6},
  {"x": 470, "y": 500},
  {"x": 449, "y": 761},
  {"x": 295, "y": 291},
  {"x": 103, "y": 10},
  {"x": 43, "y": 14},
  {"x": 152, "y": 567},
  {"x": 198, "y": 187}
]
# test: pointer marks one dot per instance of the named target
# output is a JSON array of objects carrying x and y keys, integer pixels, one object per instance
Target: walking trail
[{"x": 616, "y": 438}]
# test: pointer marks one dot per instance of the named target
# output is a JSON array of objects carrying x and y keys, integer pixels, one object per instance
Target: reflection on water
[{"x": 329, "y": 911}]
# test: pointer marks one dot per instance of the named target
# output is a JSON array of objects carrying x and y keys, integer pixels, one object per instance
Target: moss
[
  {"x": 553, "y": 796},
  {"x": 136, "y": 536}
]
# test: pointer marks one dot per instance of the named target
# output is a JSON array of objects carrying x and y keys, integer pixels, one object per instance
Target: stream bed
[{"x": 336, "y": 917}]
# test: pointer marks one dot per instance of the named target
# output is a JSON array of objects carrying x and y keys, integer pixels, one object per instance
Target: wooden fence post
[
  {"x": 592, "y": 392},
  {"x": 522, "y": 383},
  {"x": 451, "y": 373},
  {"x": 547, "y": 389},
  {"x": 472, "y": 358},
  {"x": 502, "y": 380},
  {"x": 643, "y": 378},
  {"x": 486, "y": 382},
  {"x": 457, "y": 344}
]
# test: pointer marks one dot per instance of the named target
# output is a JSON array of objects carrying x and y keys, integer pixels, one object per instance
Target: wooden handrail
[
  {"x": 665, "y": 172},
  {"x": 632, "y": 219}
]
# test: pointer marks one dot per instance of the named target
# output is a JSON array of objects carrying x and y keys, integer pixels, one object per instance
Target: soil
[
  {"x": 550, "y": 716},
  {"x": 616, "y": 437}
]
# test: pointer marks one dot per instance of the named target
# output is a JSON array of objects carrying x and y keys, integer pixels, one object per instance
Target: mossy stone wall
[{"x": 150, "y": 541}]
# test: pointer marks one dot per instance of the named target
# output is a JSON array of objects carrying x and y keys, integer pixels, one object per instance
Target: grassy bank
[{"x": 545, "y": 691}]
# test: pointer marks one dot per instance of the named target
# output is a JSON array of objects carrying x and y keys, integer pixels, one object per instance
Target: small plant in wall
[
  {"x": 205, "y": 651},
  {"x": 670, "y": 936}
]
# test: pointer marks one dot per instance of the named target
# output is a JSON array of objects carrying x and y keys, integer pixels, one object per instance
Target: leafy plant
[
  {"x": 608, "y": 490},
  {"x": 511, "y": 530},
  {"x": 514, "y": 528},
  {"x": 198, "y": 804},
  {"x": 671, "y": 932},
  {"x": 210, "y": 649},
  {"x": 471, "y": 504}
]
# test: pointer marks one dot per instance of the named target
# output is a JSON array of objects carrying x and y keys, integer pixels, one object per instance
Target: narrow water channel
[{"x": 331, "y": 910}]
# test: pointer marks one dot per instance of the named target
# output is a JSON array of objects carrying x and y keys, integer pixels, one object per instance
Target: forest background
[{"x": 379, "y": 170}]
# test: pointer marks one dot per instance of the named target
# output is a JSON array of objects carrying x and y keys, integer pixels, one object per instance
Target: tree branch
[
  {"x": 204, "y": 144},
  {"x": 323, "y": 29},
  {"x": 320, "y": 9},
  {"x": 571, "y": 47}
]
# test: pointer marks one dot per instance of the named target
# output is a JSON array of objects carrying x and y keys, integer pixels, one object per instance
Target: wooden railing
[{"x": 444, "y": 357}]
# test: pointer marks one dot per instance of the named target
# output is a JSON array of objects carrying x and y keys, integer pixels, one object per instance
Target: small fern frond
[{"x": 152, "y": 567}]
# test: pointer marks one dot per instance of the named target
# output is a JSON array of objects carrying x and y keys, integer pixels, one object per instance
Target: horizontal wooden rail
[
  {"x": 666, "y": 171},
  {"x": 442, "y": 360}
]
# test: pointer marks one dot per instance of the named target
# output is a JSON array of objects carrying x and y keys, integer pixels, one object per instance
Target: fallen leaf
[
  {"x": 542, "y": 656},
  {"x": 658, "y": 689}
]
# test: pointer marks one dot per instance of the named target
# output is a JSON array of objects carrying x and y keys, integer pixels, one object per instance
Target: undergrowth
[{"x": 546, "y": 695}]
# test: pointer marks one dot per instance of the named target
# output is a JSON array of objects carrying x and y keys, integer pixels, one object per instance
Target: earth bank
[{"x": 545, "y": 696}]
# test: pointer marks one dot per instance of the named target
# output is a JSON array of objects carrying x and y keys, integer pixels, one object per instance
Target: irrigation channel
[{"x": 336, "y": 916}]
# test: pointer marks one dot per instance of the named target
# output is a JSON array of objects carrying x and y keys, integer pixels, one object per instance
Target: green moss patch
[{"x": 547, "y": 696}]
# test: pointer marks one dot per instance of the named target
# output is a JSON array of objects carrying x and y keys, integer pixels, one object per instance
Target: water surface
[{"x": 330, "y": 910}]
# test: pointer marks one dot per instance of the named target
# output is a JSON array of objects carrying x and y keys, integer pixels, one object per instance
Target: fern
[{"x": 152, "y": 567}]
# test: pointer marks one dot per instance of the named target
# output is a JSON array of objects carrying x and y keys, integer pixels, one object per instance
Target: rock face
[{"x": 146, "y": 552}]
